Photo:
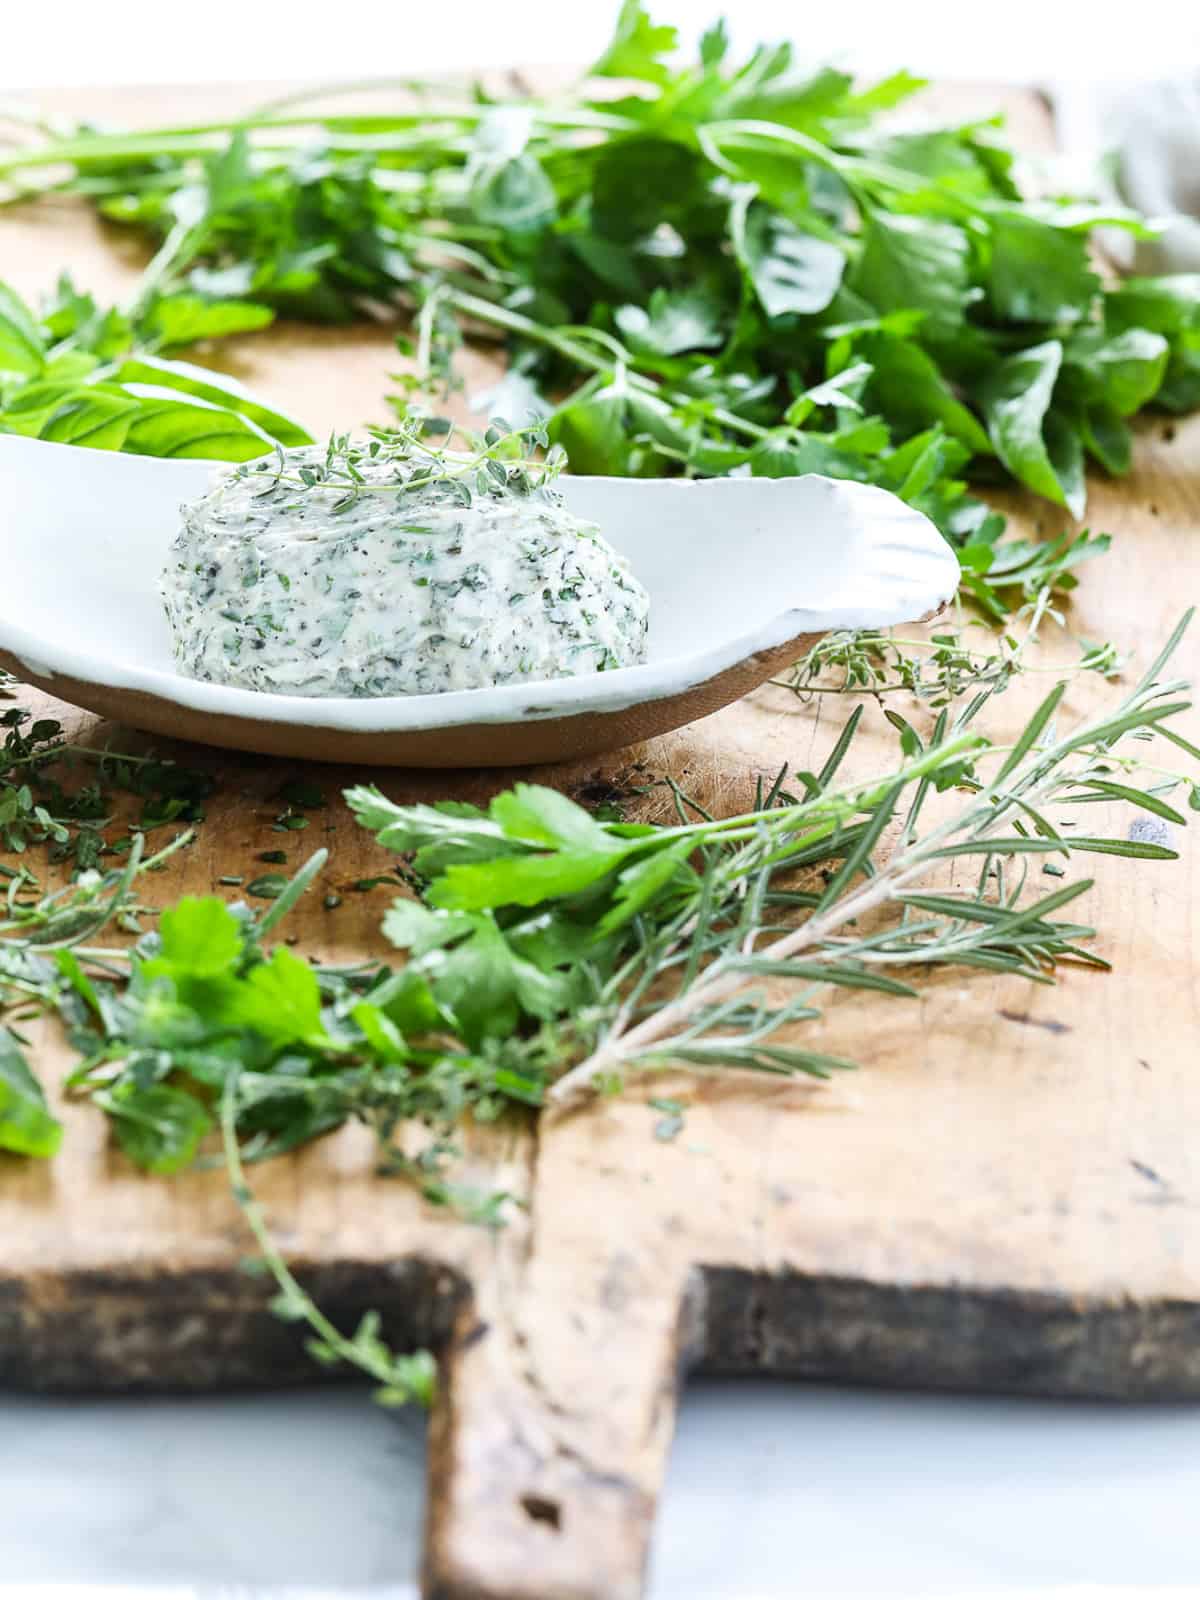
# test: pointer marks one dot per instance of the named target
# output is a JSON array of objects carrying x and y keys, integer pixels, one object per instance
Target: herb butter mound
[{"x": 382, "y": 570}]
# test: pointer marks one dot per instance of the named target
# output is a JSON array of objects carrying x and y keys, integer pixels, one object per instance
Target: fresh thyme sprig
[
  {"x": 405, "y": 460},
  {"x": 399, "y": 1379},
  {"x": 944, "y": 667}
]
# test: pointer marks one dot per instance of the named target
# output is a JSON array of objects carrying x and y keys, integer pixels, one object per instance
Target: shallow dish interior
[{"x": 734, "y": 567}]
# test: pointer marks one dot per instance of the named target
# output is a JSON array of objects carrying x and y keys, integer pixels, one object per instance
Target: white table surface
[{"x": 774, "y": 1490}]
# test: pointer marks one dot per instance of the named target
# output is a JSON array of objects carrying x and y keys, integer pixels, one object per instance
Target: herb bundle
[
  {"x": 549, "y": 952},
  {"x": 730, "y": 266}
]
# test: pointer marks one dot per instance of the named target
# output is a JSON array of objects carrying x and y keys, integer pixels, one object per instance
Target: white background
[
  {"x": 188, "y": 41},
  {"x": 774, "y": 1491}
]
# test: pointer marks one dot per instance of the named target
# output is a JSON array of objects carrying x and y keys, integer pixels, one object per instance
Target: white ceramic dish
[{"x": 742, "y": 573}]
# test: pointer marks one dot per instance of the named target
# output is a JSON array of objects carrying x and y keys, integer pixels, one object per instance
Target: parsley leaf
[{"x": 26, "y": 1126}]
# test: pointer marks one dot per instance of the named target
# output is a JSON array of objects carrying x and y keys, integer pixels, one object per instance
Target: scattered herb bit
[
  {"x": 289, "y": 822},
  {"x": 40, "y": 805},
  {"x": 273, "y": 857},
  {"x": 671, "y": 1123},
  {"x": 269, "y": 887}
]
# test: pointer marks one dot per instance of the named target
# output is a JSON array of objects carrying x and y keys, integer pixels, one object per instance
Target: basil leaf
[
  {"x": 187, "y": 318},
  {"x": 906, "y": 384},
  {"x": 209, "y": 387},
  {"x": 1124, "y": 373},
  {"x": 175, "y": 429}
]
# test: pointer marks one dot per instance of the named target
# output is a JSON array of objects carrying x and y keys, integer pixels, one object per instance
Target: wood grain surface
[{"x": 1007, "y": 1195}]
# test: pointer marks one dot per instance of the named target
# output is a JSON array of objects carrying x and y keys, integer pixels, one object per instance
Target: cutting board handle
[{"x": 556, "y": 1409}]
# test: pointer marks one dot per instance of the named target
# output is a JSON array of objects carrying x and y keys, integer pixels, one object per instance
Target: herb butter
[{"x": 369, "y": 574}]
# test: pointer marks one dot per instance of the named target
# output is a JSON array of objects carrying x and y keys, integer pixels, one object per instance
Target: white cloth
[{"x": 1147, "y": 139}]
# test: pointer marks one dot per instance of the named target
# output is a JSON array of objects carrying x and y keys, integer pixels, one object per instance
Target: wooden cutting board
[{"x": 1007, "y": 1196}]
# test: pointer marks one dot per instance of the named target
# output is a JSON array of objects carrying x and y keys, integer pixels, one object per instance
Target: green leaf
[
  {"x": 506, "y": 183},
  {"x": 917, "y": 262},
  {"x": 844, "y": 975},
  {"x": 1032, "y": 731},
  {"x": 1135, "y": 797},
  {"x": 639, "y": 184},
  {"x": 790, "y": 271},
  {"x": 279, "y": 999},
  {"x": 99, "y": 416},
  {"x": 637, "y": 48},
  {"x": 673, "y": 321},
  {"x": 1107, "y": 438},
  {"x": 159, "y": 1128},
  {"x": 407, "y": 999},
  {"x": 714, "y": 44},
  {"x": 858, "y": 857},
  {"x": 180, "y": 431},
  {"x": 537, "y": 815},
  {"x": 156, "y": 370},
  {"x": 417, "y": 928},
  {"x": 21, "y": 348},
  {"x": 68, "y": 964},
  {"x": 1016, "y": 402},
  {"x": 1139, "y": 849},
  {"x": 26, "y": 1125},
  {"x": 187, "y": 318},
  {"x": 1037, "y": 272},
  {"x": 1169, "y": 305},
  {"x": 197, "y": 937},
  {"x": 485, "y": 986},
  {"x": 380, "y": 1032},
  {"x": 521, "y": 880},
  {"x": 1124, "y": 373},
  {"x": 641, "y": 884},
  {"x": 906, "y": 385},
  {"x": 611, "y": 429}
]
